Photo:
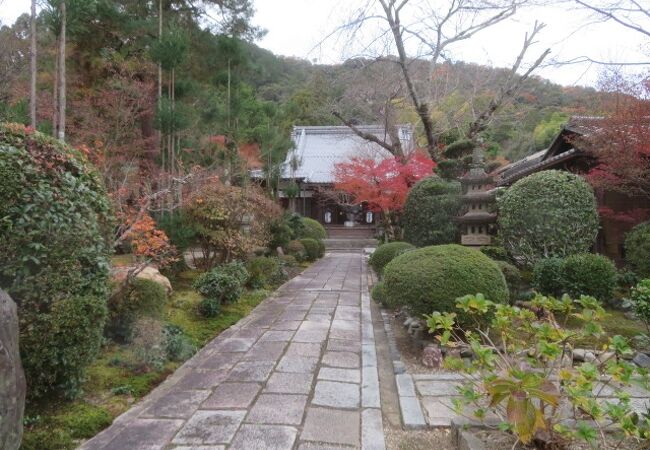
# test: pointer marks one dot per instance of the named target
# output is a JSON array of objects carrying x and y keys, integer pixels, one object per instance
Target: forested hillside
[{"x": 219, "y": 91}]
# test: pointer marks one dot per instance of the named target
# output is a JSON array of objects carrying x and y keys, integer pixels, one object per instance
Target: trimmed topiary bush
[
  {"x": 548, "y": 276},
  {"x": 141, "y": 298},
  {"x": 429, "y": 211},
  {"x": 432, "y": 278},
  {"x": 637, "y": 249},
  {"x": 589, "y": 274},
  {"x": 311, "y": 229},
  {"x": 513, "y": 278},
  {"x": 312, "y": 249},
  {"x": 55, "y": 224},
  {"x": 378, "y": 293},
  {"x": 321, "y": 249},
  {"x": 385, "y": 253},
  {"x": 641, "y": 301},
  {"x": 236, "y": 269},
  {"x": 547, "y": 214}
]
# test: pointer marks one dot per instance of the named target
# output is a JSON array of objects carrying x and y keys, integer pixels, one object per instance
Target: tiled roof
[{"x": 318, "y": 149}]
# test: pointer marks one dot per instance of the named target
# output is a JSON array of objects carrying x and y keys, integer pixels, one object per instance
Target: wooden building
[{"x": 564, "y": 154}]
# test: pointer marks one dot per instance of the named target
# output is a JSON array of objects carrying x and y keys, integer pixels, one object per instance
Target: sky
[{"x": 300, "y": 28}]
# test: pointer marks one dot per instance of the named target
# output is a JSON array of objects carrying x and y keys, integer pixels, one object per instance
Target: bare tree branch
[{"x": 395, "y": 147}]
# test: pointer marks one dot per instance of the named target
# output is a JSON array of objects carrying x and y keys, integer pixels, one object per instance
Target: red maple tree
[{"x": 382, "y": 184}]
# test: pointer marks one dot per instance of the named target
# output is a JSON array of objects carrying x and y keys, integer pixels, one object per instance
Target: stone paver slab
[
  {"x": 210, "y": 427},
  {"x": 232, "y": 395},
  {"x": 289, "y": 383},
  {"x": 265, "y": 351},
  {"x": 264, "y": 437},
  {"x": 304, "y": 349},
  {"x": 433, "y": 388},
  {"x": 251, "y": 371},
  {"x": 344, "y": 375},
  {"x": 332, "y": 426},
  {"x": 201, "y": 379},
  {"x": 176, "y": 404},
  {"x": 297, "y": 364},
  {"x": 145, "y": 432},
  {"x": 278, "y": 409},
  {"x": 347, "y": 360},
  {"x": 336, "y": 394}
]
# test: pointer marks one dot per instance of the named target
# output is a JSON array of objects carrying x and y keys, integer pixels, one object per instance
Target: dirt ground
[{"x": 418, "y": 439}]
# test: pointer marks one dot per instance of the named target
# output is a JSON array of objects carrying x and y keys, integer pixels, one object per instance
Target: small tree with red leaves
[
  {"x": 621, "y": 143},
  {"x": 382, "y": 184}
]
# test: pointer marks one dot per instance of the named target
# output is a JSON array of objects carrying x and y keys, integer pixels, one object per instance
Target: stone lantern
[{"x": 478, "y": 218}]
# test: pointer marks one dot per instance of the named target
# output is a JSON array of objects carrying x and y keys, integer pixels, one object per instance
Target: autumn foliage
[{"x": 384, "y": 184}]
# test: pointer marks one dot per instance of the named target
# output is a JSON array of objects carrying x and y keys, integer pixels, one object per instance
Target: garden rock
[
  {"x": 432, "y": 356},
  {"x": 582, "y": 355},
  {"x": 642, "y": 360},
  {"x": 148, "y": 273},
  {"x": 12, "y": 378}
]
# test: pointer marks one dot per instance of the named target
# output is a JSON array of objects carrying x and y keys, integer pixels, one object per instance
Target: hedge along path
[{"x": 299, "y": 372}]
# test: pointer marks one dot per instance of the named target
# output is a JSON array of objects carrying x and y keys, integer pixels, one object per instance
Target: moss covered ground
[{"x": 112, "y": 384}]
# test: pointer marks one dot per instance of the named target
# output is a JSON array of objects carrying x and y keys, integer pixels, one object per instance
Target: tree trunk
[
  {"x": 62, "y": 98},
  {"x": 32, "y": 68},
  {"x": 55, "y": 93}
]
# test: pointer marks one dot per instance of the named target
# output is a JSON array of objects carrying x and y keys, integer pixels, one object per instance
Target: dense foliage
[
  {"x": 583, "y": 273},
  {"x": 221, "y": 285},
  {"x": 546, "y": 214},
  {"x": 311, "y": 229},
  {"x": 141, "y": 298},
  {"x": 641, "y": 301},
  {"x": 431, "y": 206},
  {"x": 264, "y": 272},
  {"x": 297, "y": 250},
  {"x": 637, "y": 249},
  {"x": 431, "y": 278},
  {"x": 385, "y": 253},
  {"x": 54, "y": 226},
  {"x": 312, "y": 248}
]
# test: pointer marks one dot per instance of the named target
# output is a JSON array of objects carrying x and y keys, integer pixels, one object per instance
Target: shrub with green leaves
[
  {"x": 496, "y": 253},
  {"x": 641, "y": 301},
  {"x": 513, "y": 279},
  {"x": 432, "y": 278},
  {"x": 378, "y": 292},
  {"x": 312, "y": 248},
  {"x": 223, "y": 284},
  {"x": 311, "y": 229},
  {"x": 637, "y": 249},
  {"x": 548, "y": 276},
  {"x": 55, "y": 227},
  {"x": 264, "y": 271},
  {"x": 297, "y": 250},
  {"x": 429, "y": 212},
  {"x": 209, "y": 307},
  {"x": 589, "y": 274},
  {"x": 547, "y": 214},
  {"x": 385, "y": 253},
  {"x": 140, "y": 298}
]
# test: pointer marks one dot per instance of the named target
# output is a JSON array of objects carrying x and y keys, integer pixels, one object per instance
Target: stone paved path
[{"x": 300, "y": 372}]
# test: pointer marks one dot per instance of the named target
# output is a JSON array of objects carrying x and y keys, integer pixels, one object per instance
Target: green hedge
[
  {"x": 582, "y": 274},
  {"x": 297, "y": 250},
  {"x": 55, "y": 227},
  {"x": 385, "y": 253},
  {"x": 547, "y": 214},
  {"x": 637, "y": 249},
  {"x": 311, "y": 229},
  {"x": 378, "y": 293},
  {"x": 429, "y": 211},
  {"x": 141, "y": 298},
  {"x": 432, "y": 278},
  {"x": 513, "y": 278},
  {"x": 312, "y": 248},
  {"x": 263, "y": 271},
  {"x": 223, "y": 284}
]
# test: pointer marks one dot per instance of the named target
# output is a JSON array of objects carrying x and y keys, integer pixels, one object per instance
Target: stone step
[
  {"x": 350, "y": 232},
  {"x": 349, "y": 243}
]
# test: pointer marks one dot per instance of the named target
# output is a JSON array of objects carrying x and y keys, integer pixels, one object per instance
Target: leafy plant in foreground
[{"x": 522, "y": 372}]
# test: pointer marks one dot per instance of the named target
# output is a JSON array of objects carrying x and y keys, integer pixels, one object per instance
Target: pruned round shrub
[
  {"x": 547, "y": 214},
  {"x": 513, "y": 278},
  {"x": 263, "y": 272},
  {"x": 589, "y": 274},
  {"x": 297, "y": 250},
  {"x": 209, "y": 307},
  {"x": 223, "y": 284},
  {"x": 429, "y": 211},
  {"x": 637, "y": 249},
  {"x": 311, "y": 229},
  {"x": 432, "y": 278},
  {"x": 140, "y": 298},
  {"x": 641, "y": 301},
  {"x": 548, "y": 276},
  {"x": 385, "y": 253},
  {"x": 236, "y": 269},
  {"x": 378, "y": 293},
  {"x": 312, "y": 249},
  {"x": 321, "y": 249},
  {"x": 55, "y": 224}
]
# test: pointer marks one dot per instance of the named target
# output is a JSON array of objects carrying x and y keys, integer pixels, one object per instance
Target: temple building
[{"x": 307, "y": 175}]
